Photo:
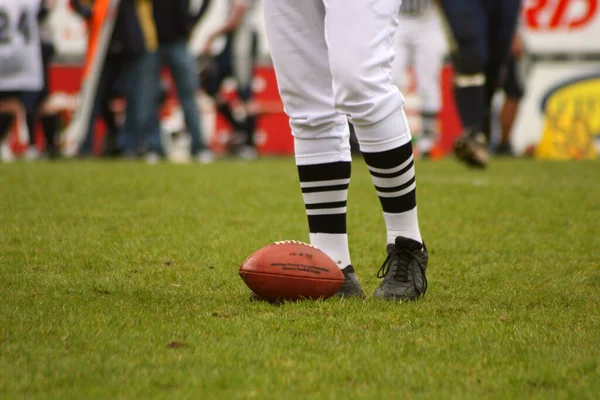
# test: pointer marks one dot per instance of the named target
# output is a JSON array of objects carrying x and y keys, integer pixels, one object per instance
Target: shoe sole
[
  {"x": 355, "y": 295},
  {"x": 392, "y": 297},
  {"x": 471, "y": 153}
]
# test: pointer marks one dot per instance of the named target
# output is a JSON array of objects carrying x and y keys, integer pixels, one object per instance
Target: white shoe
[
  {"x": 425, "y": 144},
  {"x": 6, "y": 154},
  {"x": 152, "y": 158},
  {"x": 32, "y": 154},
  {"x": 205, "y": 157},
  {"x": 247, "y": 153}
]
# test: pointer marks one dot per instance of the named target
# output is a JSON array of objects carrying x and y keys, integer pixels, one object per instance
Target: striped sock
[
  {"x": 393, "y": 175},
  {"x": 325, "y": 192}
]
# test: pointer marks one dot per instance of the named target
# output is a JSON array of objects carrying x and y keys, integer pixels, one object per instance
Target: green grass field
[{"x": 119, "y": 280}]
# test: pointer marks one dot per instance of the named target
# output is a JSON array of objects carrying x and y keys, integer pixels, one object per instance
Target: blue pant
[
  {"x": 185, "y": 75},
  {"x": 487, "y": 27},
  {"x": 112, "y": 71},
  {"x": 139, "y": 90},
  {"x": 483, "y": 31}
]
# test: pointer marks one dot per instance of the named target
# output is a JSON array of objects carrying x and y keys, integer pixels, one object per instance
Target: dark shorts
[
  {"x": 224, "y": 68},
  {"x": 10, "y": 95}
]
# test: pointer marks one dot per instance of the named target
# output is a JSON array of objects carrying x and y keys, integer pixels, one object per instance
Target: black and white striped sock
[
  {"x": 325, "y": 193},
  {"x": 393, "y": 175}
]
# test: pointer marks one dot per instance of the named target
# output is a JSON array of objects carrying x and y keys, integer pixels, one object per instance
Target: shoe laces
[{"x": 403, "y": 257}]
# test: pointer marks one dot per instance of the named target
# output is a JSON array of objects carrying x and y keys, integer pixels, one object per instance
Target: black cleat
[
  {"x": 403, "y": 271},
  {"x": 351, "y": 286},
  {"x": 472, "y": 148}
]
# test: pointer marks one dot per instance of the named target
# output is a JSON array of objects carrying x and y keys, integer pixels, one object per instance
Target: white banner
[
  {"x": 562, "y": 26},
  {"x": 561, "y": 109}
]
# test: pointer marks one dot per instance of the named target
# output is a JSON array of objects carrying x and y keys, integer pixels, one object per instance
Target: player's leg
[
  {"x": 31, "y": 101},
  {"x": 183, "y": 70},
  {"x": 109, "y": 116},
  {"x": 212, "y": 76},
  {"x": 360, "y": 61},
  {"x": 48, "y": 119},
  {"x": 467, "y": 21},
  {"x": 141, "y": 91},
  {"x": 86, "y": 147},
  {"x": 244, "y": 58},
  {"x": 502, "y": 21},
  {"x": 513, "y": 90},
  {"x": 321, "y": 135},
  {"x": 9, "y": 101},
  {"x": 34, "y": 106},
  {"x": 6, "y": 115},
  {"x": 150, "y": 117},
  {"x": 430, "y": 47},
  {"x": 6, "y": 120}
]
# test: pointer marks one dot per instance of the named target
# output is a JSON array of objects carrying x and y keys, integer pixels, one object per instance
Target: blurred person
[
  {"x": 482, "y": 32},
  {"x": 333, "y": 61},
  {"x": 420, "y": 43},
  {"x": 236, "y": 60},
  {"x": 133, "y": 35},
  {"x": 513, "y": 91},
  {"x": 34, "y": 101},
  {"x": 20, "y": 58},
  {"x": 174, "y": 22}
]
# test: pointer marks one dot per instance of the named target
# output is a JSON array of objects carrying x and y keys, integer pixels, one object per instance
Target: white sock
[
  {"x": 405, "y": 224},
  {"x": 335, "y": 245}
]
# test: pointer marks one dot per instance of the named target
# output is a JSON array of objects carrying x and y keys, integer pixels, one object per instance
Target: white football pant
[
  {"x": 420, "y": 42},
  {"x": 333, "y": 61}
]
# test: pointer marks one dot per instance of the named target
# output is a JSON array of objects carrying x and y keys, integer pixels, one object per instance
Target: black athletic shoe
[
  {"x": 351, "y": 286},
  {"x": 472, "y": 148},
  {"x": 403, "y": 271}
]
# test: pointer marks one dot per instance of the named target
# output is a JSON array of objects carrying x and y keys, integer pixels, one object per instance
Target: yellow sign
[{"x": 572, "y": 120}]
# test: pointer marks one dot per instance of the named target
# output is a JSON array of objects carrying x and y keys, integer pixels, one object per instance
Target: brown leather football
[{"x": 291, "y": 271}]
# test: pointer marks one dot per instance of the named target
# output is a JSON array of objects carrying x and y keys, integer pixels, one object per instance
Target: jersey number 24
[{"x": 6, "y": 27}]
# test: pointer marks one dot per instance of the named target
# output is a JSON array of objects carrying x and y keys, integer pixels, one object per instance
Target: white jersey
[{"x": 20, "y": 52}]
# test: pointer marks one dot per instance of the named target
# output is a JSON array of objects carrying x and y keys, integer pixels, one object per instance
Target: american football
[{"x": 291, "y": 271}]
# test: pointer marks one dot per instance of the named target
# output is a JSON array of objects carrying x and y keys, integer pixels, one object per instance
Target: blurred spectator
[
  {"x": 20, "y": 61},
  {"x": 133, "y": 35},
  {"x": 482, "y": 33},
  {"x": 420, "y": 43},
  {"x": 513, "y": 90},
  {"x": 174, "y": 23},
  {"x": 34, "y": 101},
  {"x": 237, "y": 60}
]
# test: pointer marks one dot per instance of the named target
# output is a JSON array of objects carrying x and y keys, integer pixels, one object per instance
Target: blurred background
[{"x": 204, "y": 87}]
